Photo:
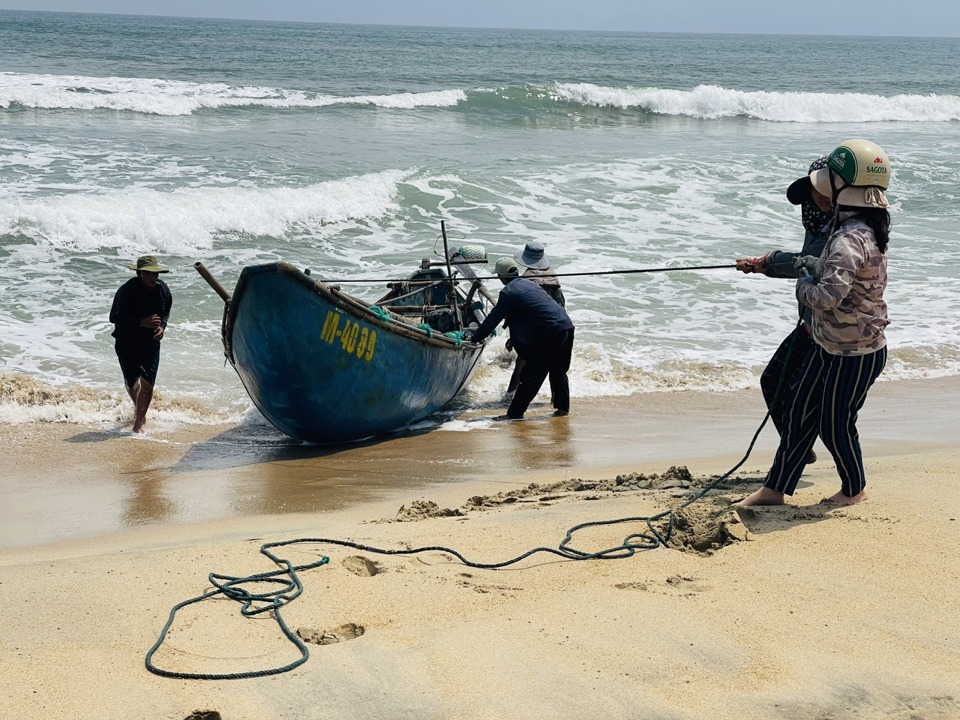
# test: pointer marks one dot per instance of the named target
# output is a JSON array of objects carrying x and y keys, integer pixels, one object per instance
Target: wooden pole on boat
[
  {"x": 453, "y": 284},
  {"x": 212, "y": 282},
  {"x": 486, "y": 293}
]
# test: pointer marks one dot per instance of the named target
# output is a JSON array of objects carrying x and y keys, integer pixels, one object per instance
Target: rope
[
  {"x": 251, "y": 604},
  {"x": 381, "y": 313},
  {"x": 628, "y": 271},
  {"x": 658, "y": 533},
  {"x": 255, "y": 603}
]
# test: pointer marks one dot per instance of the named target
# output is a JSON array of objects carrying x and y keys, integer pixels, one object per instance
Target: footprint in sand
[
  {"x": 686, "y": 585},
  {"x": 341, "y": 633},
  {"x": 675, "y": 584},
  {"x": 504, "y": 590},
  {"x": 359, "y": 565},
  {"x": 632, "y": 586}
]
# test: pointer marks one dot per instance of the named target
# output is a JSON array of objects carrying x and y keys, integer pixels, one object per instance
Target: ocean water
[{"x": 341, "y": 148}]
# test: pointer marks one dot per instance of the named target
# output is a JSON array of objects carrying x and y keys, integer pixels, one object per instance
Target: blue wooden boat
[{"x": 324, "y": 366}]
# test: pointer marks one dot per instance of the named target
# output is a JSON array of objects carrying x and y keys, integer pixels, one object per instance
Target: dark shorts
[{"x": 138, "y": 361}]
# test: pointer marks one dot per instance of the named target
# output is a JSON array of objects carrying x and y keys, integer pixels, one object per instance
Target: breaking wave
[
  {"x": 709, "y": 102},
  {"x": 175, "y": 97},
  {"x": 189, "y": 219},
  {"x": 712, "y": 102}
]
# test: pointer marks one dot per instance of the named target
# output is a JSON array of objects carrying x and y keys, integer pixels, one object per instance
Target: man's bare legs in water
[{"x": 142, "y": 394}]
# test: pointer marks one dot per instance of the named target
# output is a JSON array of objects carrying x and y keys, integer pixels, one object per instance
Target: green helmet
[{"x": 861, "y": 163}]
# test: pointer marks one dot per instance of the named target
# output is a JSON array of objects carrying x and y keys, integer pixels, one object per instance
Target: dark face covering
[{"x": 813, "y": 217}]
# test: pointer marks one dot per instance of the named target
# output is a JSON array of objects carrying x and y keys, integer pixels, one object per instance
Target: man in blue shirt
[{"x": 540, "y": 331}]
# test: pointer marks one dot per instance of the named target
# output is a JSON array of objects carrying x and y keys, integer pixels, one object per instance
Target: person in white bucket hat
[
  {"x": 844, "y": 288},
  {"x": 537, "y": 268}
]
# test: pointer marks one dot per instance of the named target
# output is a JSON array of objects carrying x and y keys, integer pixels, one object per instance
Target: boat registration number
[{"x": 353, "y": 339}]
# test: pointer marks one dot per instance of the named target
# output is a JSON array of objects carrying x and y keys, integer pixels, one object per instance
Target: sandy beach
[{"x": 801, "y": 611}]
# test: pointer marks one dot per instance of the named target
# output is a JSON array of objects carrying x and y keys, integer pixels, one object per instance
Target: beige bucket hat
[{"x": 148, "y": 263}]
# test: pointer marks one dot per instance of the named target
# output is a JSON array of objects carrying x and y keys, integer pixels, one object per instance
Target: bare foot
[
  {"x": 841, "y": 499},
  {"x": 139, "y": 424},
  {"x": 560, "y": 413},
  {"x": 763, "y": 496}
]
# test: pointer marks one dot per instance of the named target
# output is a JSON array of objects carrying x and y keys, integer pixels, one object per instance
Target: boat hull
[{"x": 322, "y": 367}]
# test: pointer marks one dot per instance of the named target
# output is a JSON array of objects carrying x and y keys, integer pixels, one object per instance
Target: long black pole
[{"x": 453, "y": 284}]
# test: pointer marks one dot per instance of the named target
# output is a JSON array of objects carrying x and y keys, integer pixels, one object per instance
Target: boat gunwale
[{"x": 349, "y": 304}]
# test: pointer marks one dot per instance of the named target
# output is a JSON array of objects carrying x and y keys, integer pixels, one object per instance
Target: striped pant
[{"x": 829, "y": 392}]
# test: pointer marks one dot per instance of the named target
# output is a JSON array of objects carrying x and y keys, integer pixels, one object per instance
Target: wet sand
[
  {"x": 796, "y": 612},
  {"x": 63, "y": 481}
]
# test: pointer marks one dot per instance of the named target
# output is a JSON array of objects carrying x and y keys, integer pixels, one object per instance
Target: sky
[{"x": 935, "y": 18}]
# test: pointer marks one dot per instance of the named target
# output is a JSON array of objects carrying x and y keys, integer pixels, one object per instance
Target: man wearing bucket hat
[
  {"x": 844, "y": 290},
  {"x": 777, "y": 381},
  {"x": 141, "y": 308},
  {"x": 540, "y": 331},
  {"x": 534, "y": 259}
]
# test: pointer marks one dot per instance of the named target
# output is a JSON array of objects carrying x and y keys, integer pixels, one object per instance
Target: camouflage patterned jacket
[
  {"x": 548, "y": 281},
  {"x": 849, "y": 313}
]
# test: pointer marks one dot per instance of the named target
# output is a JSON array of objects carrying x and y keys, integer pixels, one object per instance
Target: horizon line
[{"x": 465, "y": 27}]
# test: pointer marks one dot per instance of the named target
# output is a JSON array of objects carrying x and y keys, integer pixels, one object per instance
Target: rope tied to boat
[
  {"x": 627, "y": 271},
  {"x": 381, "y": 313}
]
